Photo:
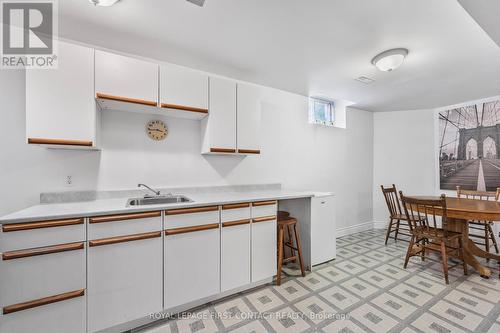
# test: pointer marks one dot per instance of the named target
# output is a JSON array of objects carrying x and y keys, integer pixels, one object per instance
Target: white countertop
[{"x": 119, "y": 205}]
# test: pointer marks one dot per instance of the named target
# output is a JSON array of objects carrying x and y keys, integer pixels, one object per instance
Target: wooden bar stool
[{"x": 290, "y": 223}]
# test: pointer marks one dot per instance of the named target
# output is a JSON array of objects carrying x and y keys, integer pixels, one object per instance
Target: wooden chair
[
  {"x": 289, "y": 223},
  {"x": 486, "y": 227},
  {"x": 426, "y": 235},
  {"x": 396, "y": 216}
]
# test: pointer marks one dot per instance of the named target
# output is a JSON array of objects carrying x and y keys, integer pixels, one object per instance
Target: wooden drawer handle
[
  {"x": 123, "y": 217},
  {"x": 126, "y": 99},
  {"x": 264, "y": 219},
  {"x": 235, "y": 206},
  {"x": 249, "y": 151},
  {"x": 264, "y": 203},
  {"x": 39, "y": 225},
  {"x": 123, "y": 239},
  {"x": 59, "y": 142},
  {"x": 42, "y": 250},
  {"x": 183, "y": 108},
  {"x": 43, "y": 301},
  {"x": 191, "y": 210},
  {"x": 233, "y": 223},
  {"x": 222, "y": 150},
  {"x": 184, "y": 230}
]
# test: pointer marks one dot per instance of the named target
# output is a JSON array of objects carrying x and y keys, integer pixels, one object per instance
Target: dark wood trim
[
  {"x": 223, "y": 150},
  {"x": 183, "y": 230},
  {"x": 235, "y": 206},
  {"x": 183, "y": 108},
  {"x": 126, "y": 99},
  {"x": 264, "y": 219},
  {"x": 42, "y": 250},
  {"x": 264, "y": 203},
  {"x": 191, "y": 210},
  {"x": 233, "y": 223},
  {"x": 59, "y": 142},
  {"x": 123, "y": 239},
  {"x": 249, "y": 151},
  {"x": 38, "y": 225},
  {"x": 43, "y": 301},
  {"x": 123, "y": 217}
]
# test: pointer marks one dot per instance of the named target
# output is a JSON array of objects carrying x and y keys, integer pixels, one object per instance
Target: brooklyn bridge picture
[{"x": 469, "y": 147}]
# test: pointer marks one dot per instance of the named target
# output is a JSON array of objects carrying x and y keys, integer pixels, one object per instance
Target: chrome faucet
[{"x": 157, "y": 193}]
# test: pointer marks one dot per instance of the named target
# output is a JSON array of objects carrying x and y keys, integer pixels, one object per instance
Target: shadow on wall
[{"x": 224, "y": 165}]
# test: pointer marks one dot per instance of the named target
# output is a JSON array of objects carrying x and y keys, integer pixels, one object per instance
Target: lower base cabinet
[
  {"x": 235, "y": 256},
  {"x": 124, "y": 280},
  {"x": 264, "y": 245}
]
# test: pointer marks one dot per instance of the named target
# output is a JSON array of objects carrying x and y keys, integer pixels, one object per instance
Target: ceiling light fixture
[
  {"x": 390, "y": 60},
  {"x": 198, "y": 2},
  {"x": 104, "y": 3}
]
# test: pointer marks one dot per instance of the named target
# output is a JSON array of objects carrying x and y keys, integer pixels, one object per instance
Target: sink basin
[{"x": 157, "y": 200}]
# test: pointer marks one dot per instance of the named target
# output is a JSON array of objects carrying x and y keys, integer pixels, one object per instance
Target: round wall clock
[{"x": 156, "y": 130}]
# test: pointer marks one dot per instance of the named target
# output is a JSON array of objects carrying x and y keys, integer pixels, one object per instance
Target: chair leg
[
  {"x": 493, "y": 239},
  {"x": 486, "y": 239},
  {"x": 461, "y": 245},
  {"x": 422, "y": 254},
  {"x": 388, "y": 230},
  {"x": 445, "y": 261},
  {"x": 280, "y": 254},
  {"x": 408, "y": 252},
  {"x": 299, "y": 250},
  {"x": 290, "y": 239},
  {"x": 397, "y": 231}
]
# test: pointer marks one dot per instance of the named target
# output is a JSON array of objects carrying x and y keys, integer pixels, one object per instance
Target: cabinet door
[
  {"x": 322, "y": 229},
  {"x": 249, "y": 115},
  {"x": 264, "y": 245},
  {"x": 60, "y": 105},
  {"x": 124, "y": 279},
  {"x": 127, "y": 79},
  {"x": 192, "y": 264},
  {"x": 220, "y": 130},
  {"x": 182, "y": 88}
]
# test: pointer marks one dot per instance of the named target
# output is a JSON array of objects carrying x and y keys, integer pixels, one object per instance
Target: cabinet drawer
[
  {"x": 27, "y": 235},
  {"x": 36, "y": 273},
  {"x": 123, "y": 224},
  {"x": 57, "y": 313},
  {"x": 235, "y": 212},
  {"x": 188, "y": 217},
  {"x": 264, "y": 208}
]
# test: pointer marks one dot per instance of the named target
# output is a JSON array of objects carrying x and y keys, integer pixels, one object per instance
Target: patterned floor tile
[
  {"x": 373, "y": 318},
  {"x": 291, "y": 290},
  {"x": 469, "y": 302},
  {"x": 427, "y": 284},
  {"x": 411, "y": 294},
  {"x": 480, "y": 291},
  {"x": 350, "y": 267},
  {"x": 201, "y": 322},
  {"x": 343, "y": 326},
  {"x": 340, "y": 297},
  {"x": 356, "y": 248},
  {"x": 378, "y": 279},
  {"x": 495, "y": 328},
  {"x": 492, "y": 282},
  {"x": 264, "y": 300},
  {"x": 162, "y": 329},
  {"x": 365, "y": 261},
  {"x": 379, "y": 255},
  {"x": 359, "y": 287},
  {"x": 314, "y": 281},
  {"x": 252, "y": 327},
  {"x": 345, "y": 253},
  {"x": 332, "y": 273},
  {"x": 232, "y": 312},
  {"x": 315, "y": 309},
  {"x": 370, "y": 244},
  {"x": 431, "y": 324},
  {"x": 392, "y": 271},
  {"x": 456, "y": 315},
  {"x": 287, "y": 320},
  {"x": 394, "y": 305}
]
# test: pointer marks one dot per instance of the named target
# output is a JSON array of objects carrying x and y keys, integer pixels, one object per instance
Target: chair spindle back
[
  {"x": 424, "y": 213},
  {"x": 392, "y": 200},
  {"x": 478, "y": 195}
]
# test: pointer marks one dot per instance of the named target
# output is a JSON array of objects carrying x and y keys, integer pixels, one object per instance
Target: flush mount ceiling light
[
  {"x": 104, "y": 3},
  {"x": 198, "y": 2},
  {"x": 390, "y": 60}
]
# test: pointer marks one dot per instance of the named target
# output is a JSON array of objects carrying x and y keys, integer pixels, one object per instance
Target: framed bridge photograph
[{"x": 469, "y": 147}]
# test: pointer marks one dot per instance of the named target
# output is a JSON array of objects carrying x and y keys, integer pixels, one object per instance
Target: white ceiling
[
  {"x": 486, "y": 13},
  {"x": 313, "y": 47}
]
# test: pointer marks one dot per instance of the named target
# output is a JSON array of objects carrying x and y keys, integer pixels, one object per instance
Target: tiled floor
[{"x": 365, "y": 289}]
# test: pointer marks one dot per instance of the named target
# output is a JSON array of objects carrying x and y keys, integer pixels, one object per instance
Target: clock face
[{"x": 157, "y": 130}]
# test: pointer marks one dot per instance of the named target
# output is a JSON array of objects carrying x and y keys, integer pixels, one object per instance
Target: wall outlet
[{"x": 68, "y": 181}]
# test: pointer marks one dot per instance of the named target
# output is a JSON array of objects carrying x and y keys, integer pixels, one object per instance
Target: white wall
[
  {"x": 294, "y": 153},
  {"x": 404, "y": 154}
]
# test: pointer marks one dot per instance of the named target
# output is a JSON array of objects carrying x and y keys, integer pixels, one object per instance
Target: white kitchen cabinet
[
  {"x": 219, "y": 128},
  {"x": 60, "y": 105},
  {"x": 322, "y": 229},
  {"x": 124, "y": 274},
  {"x": 235, "y": 246},
  {"x": 264, "y": 245},
  {"x": 183, "y": 89},
  {"x": 125, "y": 79},
  {"x": 248, "y": 119}
]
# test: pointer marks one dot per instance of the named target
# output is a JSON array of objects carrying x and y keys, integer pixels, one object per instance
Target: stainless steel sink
[{"x": 158, "y": 200}]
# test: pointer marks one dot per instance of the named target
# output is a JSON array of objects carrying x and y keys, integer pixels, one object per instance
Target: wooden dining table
[{"x": 459, "y": 212}]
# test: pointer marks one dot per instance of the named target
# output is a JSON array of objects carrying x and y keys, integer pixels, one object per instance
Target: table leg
[{"x": 470, "y": 249}]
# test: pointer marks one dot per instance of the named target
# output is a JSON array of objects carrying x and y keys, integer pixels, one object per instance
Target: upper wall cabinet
[
  {"x": 60, "y": 105},
  {"x": 219, "y": 128},
  {"x": 125, "y": 79},
  {"x": 182, "y": 89},
  {"x": 248, "y": 119}
]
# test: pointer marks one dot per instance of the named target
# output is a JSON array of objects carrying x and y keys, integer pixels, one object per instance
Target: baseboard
[
  {"x": 380, "y": 224},
  {"x": 352, "y": 229}
]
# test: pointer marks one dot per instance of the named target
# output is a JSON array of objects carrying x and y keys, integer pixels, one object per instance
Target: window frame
[{"x": 330, "y": 112}]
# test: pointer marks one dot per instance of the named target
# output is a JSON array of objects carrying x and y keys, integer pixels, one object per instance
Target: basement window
[{"x": 321, "y": 112}]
